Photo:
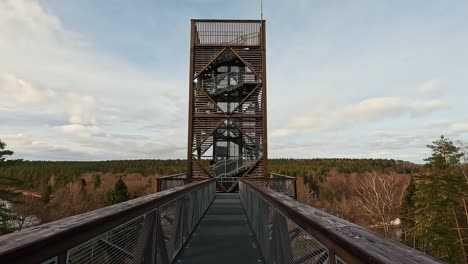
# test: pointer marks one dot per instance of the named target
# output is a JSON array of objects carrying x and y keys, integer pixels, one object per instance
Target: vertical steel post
[
  {"x": 264, "y": 102},
  {"x": 190, "y": 118}
]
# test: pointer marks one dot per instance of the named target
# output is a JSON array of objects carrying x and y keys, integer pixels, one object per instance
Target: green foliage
[
  {"x": 97, "y": 181},
  {"x": 407, "y": 208},
  {"x": 445, "y": 156},
  {"x": 118, "y": 194},
  {"x": 433, "y": 201},
  {"x": 320, "y": 167},
  {"x": 46, "y": 194},
  {"x": 4, "y": 152},
  {"x": 10, "y": 180},
  {"x": 34, "y": 174}
]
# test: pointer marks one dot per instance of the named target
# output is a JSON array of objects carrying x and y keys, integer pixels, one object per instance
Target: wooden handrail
[
  {"x": 353, "y": 243},
  {"x": 41, "y": 242}
]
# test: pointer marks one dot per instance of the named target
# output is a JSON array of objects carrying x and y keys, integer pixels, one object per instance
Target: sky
[{"x": 101, "y": 80}]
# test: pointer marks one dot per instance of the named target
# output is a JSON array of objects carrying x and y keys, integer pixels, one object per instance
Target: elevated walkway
[{"x": 222, "y": 236}]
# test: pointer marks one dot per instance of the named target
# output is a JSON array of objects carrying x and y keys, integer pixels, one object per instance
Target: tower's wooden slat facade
[{"x": 227, "y": 136}]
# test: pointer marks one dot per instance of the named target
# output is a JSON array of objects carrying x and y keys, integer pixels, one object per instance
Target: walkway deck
[{"x": 222, "y": 236}]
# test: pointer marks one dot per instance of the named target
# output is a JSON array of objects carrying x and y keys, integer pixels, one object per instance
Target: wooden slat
[
  {"x": 203, "y": 56},
  {"x": 253, "y": 56}
]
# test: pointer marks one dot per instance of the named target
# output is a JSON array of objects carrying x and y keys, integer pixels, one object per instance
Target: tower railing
[
  {"x": 230, "y": 167},
  {"x": 149, "y": 229},
  {"x": 228, "y": 32},
  {"x": 175, "y": 180},
  {"x": 290, "y": 232},
  {"x": 171, "y": 181}
]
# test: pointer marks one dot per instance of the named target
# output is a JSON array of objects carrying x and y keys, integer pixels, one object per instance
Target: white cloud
[
  {"x": 436, "y": 124},
  {"x": 74, "y": 101},
  {"x": 28, "y": 16},
  {"x": 459, "y": 128},
  {"x": 22, "y": 91},
  {"x": 455, "y": 128},
  {"x": 430, "y": 88},
  {"x": 82, "y": 96},
  {"x": 78, "y": 130},
  {"x": 81, "y": 109},
  {"x": 367, "y": 111},
  {"x": 280, "y": 133}
]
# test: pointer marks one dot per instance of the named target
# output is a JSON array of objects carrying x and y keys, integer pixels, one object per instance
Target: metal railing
[
  {"x": 228, "y": 32},
  {"x": 150, "y": 229},
  {"x": 176, "y": 180},
  {"x": 283, "y": 184},
  {"x": 288, "y": 231},
  {"x": 230, "y": 167}
]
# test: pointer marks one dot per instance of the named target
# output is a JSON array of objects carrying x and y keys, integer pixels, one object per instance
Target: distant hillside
[
  {"x": 33, "y": 174},
  {"x": 306, "y": 167}
]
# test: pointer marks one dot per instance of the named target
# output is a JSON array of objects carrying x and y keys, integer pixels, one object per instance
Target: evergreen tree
[
  {"x": 46, "y": 193},
  {"x": 436, "y": 199},
  {"x": 97, "y": 181},
  {"x": 4, "y": 152},
  {"x": 118, "y": 194},
  {"x": 445, "y": 156}
]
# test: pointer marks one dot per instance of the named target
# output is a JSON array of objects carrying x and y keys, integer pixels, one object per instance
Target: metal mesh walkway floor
[{"x": 222, "y": 236}]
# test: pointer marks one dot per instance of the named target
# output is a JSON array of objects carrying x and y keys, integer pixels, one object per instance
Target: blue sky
[{"x": 93, "y": 80}]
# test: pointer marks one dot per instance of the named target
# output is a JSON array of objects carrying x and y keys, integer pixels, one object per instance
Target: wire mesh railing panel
[
  {"x": 288, "y": 231},
  {"x": 170, "y": 222},
  {"x": 171, "y": 181},
  {"x": 179, "y": 217},
  {"x": 153, "y": 237},
  {"x": 283, "y": 184},
  {"x": 279, "y": 238},
  {"x": 265, "y": 228},
  {"x": 169, "y": 184},
  {"x": 304, "y": 247},
  {"x": 188, "y": 223},
  {"x": 131, "y": 242}
]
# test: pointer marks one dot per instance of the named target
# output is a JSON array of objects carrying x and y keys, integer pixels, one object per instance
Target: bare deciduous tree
[{"x": 380, "y": 196}]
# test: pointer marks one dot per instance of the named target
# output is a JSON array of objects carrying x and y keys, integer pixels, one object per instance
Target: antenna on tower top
[{"x": 261, "y": 9}]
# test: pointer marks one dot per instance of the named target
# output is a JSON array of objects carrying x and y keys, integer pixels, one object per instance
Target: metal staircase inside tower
[{"x": 228, "y": 81}]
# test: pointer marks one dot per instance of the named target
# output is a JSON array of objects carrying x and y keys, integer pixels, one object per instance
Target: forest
[{"x": 423, "y": 206}]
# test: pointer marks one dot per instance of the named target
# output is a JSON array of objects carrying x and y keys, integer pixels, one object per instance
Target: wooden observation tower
[{"x": 227, "y": 135}]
